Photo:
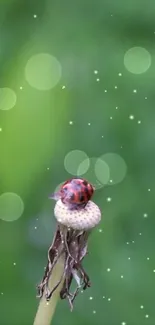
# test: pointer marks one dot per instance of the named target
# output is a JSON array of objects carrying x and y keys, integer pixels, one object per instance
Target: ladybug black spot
[
  {"x": 81, "y": 197},
  {"x": 85, "y": 183},
  {"x": 86, "y": 191},
  {"x": 72, "y": 196}
]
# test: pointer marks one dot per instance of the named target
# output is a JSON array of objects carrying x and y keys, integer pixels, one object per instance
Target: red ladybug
[{"x": 75, "y": 193}]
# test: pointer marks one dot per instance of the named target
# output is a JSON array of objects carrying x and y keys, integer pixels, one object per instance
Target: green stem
[{"x": 46, "y": 309}]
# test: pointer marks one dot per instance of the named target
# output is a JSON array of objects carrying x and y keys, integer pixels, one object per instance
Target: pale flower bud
[{"x": 80, "y": 219}]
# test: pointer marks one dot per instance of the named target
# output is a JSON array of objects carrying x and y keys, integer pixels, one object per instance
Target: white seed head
[{"x": 83, "y": 219}]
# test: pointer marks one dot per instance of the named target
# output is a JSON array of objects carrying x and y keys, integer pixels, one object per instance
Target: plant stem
[{"x": 46, "y": 309}]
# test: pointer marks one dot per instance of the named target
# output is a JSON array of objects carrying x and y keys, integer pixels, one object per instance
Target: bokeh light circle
[
  {"x": 43, "y": 71},
  {"x": 137, "y": 60},
  {"x": 117, "y": 167},
  {"x": 41, "y": 229},
  {"x": 72, "y": 161},
  {"x": 11, "y": 206},
  {"x": 102, "y": 171},
  {"x": 8, "y": 98},
  {"x": 92, "y": 173}
]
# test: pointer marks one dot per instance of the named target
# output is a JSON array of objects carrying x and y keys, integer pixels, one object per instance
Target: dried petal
[{"x": 71, "y": 236}]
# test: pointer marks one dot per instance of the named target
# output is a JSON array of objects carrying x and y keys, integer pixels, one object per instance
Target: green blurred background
[{"x": 76, "y": 83}]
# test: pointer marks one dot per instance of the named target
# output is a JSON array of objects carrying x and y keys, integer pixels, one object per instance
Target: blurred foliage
[{"x": 36, "y": 135}]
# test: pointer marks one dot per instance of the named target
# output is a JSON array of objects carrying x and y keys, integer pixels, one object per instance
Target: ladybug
[{"x": 75, "y": 193}]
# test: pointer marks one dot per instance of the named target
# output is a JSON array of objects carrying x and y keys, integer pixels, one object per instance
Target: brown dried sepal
[{"x": 73, "y": 245}]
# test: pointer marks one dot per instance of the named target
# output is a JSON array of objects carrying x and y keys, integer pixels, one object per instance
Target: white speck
[
  {"x": 47, "y": 303},
  {"x": 154, "y": 271},
  {"x": 116, "y": 87},
  {"x": 94, "y": 311},
  {"x": 147, "y": 316},
  {"x": 35, "y": 227},
  {"x": 102, "y": 136},
  {"x": 71, "y": 122},
  {"x": 89, "y": 123},
  {"x": 98, "y": 79},
  {"x": 0, "y": 129},
  {"x": 145, "y": 215},
  {"x": 100, "y": 230},
  {"x": 95, "y": 71},
  {"x": 139, "y": 122},
  {"x": 127, "y": 243},
  {"x": 63, "y": 87},
  {"x": 108, "y": 270},
  {"x": 109, "y": 199},
  {"x": 135, "y": 91},
  {"x": 111, "y": 181},
  {"x": 123, "y": 323},
  {"x": 2, "y": 293},
  {"x": 110, "y": 117},
  {"x": 140, "y": 234},
  {"x": 109, "y": 299},
  {"x": 90, "y": 298},
  {"x": 141, "y": 307},
  {"x": 145, "y": 97},
  {"x": 14, "y": 263},
  {"x": 120, "y": 74},
  {"x": 129, "y": 258},
  {"x": 149, "y": 189},
  {"x": 103, "y": 297},
  {"x": 131, "y": 117},
  {"x": 116, "y": 107},
  {"x": 48, "y": 168},
  {"x": 105, "y": 90},
  {"x": 122, "y": 276},
  {"x": 148, "y": 258},
  {"x": 133, "y": 241},
  {"x": 21, "y": 88},
  {"x": 81, "y": 291},
  {"x": 35, "y": 16}
]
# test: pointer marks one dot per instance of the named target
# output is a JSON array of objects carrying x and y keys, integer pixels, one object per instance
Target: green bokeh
[{"x": 84, "y": 36}]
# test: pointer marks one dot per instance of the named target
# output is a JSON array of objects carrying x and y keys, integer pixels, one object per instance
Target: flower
[{"x": 70, "y": 241}]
